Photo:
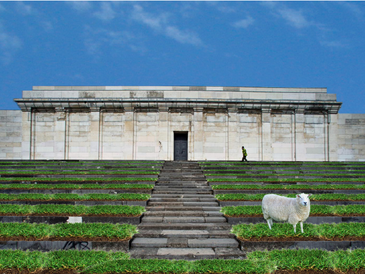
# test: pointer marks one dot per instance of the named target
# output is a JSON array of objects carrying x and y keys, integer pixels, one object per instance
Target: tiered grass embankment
[
  {"x": 38, "y": 198},
  {"x": 337, "y": 206},
  {"x": 277, "y": 261}
]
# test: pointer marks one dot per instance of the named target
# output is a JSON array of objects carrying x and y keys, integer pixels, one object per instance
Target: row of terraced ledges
[
  {"x": 77, "y": 172},
  {"x": 253, "y": 177},
  {"x": 183, "y": 219}
]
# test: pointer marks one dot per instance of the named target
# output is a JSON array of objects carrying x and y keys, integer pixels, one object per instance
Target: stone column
[
  {"x": 32, "y": 134},
  {"x": 266, "y": 135},
  {"x": 198, "y": 128},
  {"x": 129, "y": 133},
  {"x": 101, "y": 130},
  {"x": 26, "y": 118},
  {"x": 300, "y": 150},
  {"x": 59, "y": 133},
  {"x": 94, "y": 131},
  {"x": 333, "y": 136},
  {"x": 233, "y": 146},
  {"x": 163, "y": 132},
  {"x": 67, "y": 135}
]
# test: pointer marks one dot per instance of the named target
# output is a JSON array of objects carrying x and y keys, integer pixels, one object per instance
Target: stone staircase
[{"x": 183, "y": 219}]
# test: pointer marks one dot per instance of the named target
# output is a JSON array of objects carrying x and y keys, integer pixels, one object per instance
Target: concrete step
[
  {"x": 185, "y": 226},
  {"x": 182, "y": 192},
  {"x": 182, "y": 187},
  {"x": 175, "y": 233},
  {"x": 185, "y": 242},
  {"x": 187, "y": 253},
  {"x": 183, "y": 203},
  {"x": 184, "y": 213},
  {"x": 183, "y": 209},
  {"x": 191, "y": 196},
  {"x": 183, "y": 219},
  {"x": 210, "y": 199}
]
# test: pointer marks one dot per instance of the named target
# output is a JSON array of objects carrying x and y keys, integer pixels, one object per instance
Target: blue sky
[{"x": 264, "y": 44}]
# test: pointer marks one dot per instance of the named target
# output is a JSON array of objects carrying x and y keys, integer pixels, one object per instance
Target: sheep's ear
[
  {"x": 298, "y": 195},
  {"x": 310, "y": 194}
]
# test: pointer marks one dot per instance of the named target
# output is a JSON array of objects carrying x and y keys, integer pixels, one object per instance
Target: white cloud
[
  {"x": 353, "y": 8},
  {"x": 293, "y": 17},
  {"x": 184, "y": 37},
  {"x": 106, "y": 13},
  {"x": 159, "y": 23},
  {"x": 9, "y": 44},
  {"x": 244, "y": 23},
  {"x": 80, "y": 6},
  {"x": 333, "y": 44},
  {"x": 25, "y": 9},
  {"x": 154, "y": 22},
  {"x": 96, "y": 39}
]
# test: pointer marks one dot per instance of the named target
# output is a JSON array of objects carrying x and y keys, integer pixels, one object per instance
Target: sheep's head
[{"x": 303, "y": 199}]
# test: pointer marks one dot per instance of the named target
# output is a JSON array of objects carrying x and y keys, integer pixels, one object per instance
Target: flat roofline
[{"x": 180, "y": 88}]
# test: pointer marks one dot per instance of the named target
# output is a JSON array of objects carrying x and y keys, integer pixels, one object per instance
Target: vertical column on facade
[
  {"x": 59, "y": 133},
  {"x": 26, "y": 119},
  {"x": 129, "y": 133},
  {"x": 101, "y": 135},
  {"x": 300, "y": 150},
  {"x": 198, "y": 121},
  {"x": 191, "y": 138},
  {"x": 94, "y": 128},
  {"x": 266, "y": 135},
  {"x": 332, "y": 124},
  {"x": 292, "y": 136},
  {"x": 32, "y": 133},
  {"x": 325, "y": 137},
  {"x": 162, "y": 134},
  {"x": 233, "y": 146}
]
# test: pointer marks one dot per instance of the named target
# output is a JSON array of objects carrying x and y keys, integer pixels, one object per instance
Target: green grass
[
  {"x": 91, "y": 179},
  {"x": 76, "y": 186},
  {"x": 314, "y": 197},
  {"x": 119, "y": 262},
  {"x": 338, "y": 210},
  {"x": 281, "y": 231},
  {"x": 71, "y": 210},
  {"x": 43, "y": 232},
  {"x": 285, "y": 175},
  {"x": 89, "y": 172},
  {"x": 287, "y": 187},
  {"x": 75, "y": 197},
  {"x": 286, "y": 180}
]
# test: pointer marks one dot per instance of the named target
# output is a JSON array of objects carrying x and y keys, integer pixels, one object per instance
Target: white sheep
[{"x": 283, "y": 209}]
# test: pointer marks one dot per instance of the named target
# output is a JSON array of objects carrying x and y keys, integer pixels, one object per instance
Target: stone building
[{"x": 180, "y": 123}]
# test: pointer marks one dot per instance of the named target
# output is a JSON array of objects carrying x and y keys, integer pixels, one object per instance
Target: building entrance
[{"x": 180, "y": 146}]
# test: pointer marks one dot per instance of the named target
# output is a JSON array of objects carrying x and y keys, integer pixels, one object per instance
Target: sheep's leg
[
  {"x": 301, "y": 226},
  {"x": 268, "y": 222},
  {"x": 295, "y": 228}
]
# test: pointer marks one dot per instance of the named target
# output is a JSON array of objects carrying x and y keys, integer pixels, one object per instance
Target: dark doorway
[{"x": 180, "y": 146}]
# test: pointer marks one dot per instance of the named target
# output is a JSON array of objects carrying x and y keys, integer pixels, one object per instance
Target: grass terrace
[
  {"x": 65, "y": 232},
  {"x": 75, "y": 197},
  {"x": 75, "y": 186},
  {"x": 76, "y": 179},
  {"x": 288, "y": 261},
  {"x": 288, "y": 187},
  {"x": 283, "y": 232},
  {"x": 314, "y": 197},
  {"x": 316, "y": 210},
  {"x": 70, "y": 210}
]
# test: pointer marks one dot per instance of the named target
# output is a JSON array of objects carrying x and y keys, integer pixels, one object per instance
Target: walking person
[{"x": 244, "y": 154}]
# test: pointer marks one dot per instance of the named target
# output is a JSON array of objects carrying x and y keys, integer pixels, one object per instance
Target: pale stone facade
[{"x": 117, "y": 122}]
